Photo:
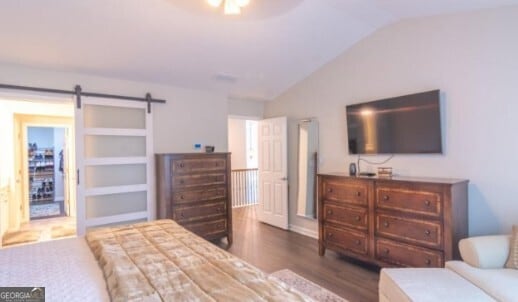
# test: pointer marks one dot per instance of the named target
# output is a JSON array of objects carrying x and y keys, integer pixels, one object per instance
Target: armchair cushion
[
  {"x": 485, "y": 251},
  {"x": 512, "y": 261}
]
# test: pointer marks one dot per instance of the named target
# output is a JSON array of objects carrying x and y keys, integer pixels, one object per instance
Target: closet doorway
[{"x": 46, "y": 159}]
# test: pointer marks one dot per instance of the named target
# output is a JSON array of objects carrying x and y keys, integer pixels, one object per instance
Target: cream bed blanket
[
  {"x": 65, "y": 267},
  {"x": 162, "y": 261}
]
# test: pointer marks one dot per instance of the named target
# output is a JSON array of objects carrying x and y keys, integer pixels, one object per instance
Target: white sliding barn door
[
  {"x": 273, "y": 172},
  {"x": 114, "y": 154}
]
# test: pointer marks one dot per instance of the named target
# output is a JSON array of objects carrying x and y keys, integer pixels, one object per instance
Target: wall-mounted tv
[{"x": 409, "y": 124}]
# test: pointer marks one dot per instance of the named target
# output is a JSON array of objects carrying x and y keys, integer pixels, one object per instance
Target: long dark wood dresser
[
  {"x": 409, "y": 222},
  {"x": 194, "y": 190}
]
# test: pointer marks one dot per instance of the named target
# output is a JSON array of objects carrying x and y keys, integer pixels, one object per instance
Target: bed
[{"x": 151, "y": 261}]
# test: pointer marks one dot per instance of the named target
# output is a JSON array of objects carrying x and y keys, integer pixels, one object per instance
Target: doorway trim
[{"x": 22, "y": 122}]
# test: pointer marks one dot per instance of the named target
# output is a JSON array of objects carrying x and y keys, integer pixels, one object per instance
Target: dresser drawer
[
  {"x": 199, "y": 212},
  {"x": 414, "y": 202},
  {"x": 198, "y": 165},
  {"x": 423, "y": 232},
  {"x": 407, "y": 255},
  {"x": 207, "y": 228},
  {"x": 196, "y": 195},
  {"x": 354, "y": 193},
  {"x": 346, "y": 239},
  {"x": 187, "y": 181},
  {"x": 354, "y": 217}
]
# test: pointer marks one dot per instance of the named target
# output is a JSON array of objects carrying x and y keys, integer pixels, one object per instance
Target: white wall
[
  {"x": 6, "y": 153},
  {"x": 42, "y": 136},
  {"x": 188, "y": 117},
  {"x": 472, "y": 58},
  {"x": 246, "y": 108},
  {"x": 237, "y": 142},
  {"x": 6, "y": 167}
]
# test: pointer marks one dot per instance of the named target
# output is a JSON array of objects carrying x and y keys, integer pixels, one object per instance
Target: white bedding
[{"x": 66, "y": 268}]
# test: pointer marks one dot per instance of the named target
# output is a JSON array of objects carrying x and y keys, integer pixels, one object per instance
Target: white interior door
[
  {"x": 273, "y": 172},
  {"x": 114, "y": 156}
]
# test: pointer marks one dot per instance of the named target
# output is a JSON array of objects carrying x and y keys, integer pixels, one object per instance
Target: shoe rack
[{"x": 41, "y": 174}]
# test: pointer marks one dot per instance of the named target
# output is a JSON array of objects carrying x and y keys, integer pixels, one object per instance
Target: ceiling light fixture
[{"x": 230, "y": 7}]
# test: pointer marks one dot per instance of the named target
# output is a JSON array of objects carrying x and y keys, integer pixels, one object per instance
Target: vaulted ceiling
[{"x": 257, "y": 55}]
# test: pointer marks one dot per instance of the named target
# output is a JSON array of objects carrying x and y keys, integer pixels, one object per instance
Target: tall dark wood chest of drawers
[
  {"x": 194, "y": 190},
  {"x": 413, "y": 222}
]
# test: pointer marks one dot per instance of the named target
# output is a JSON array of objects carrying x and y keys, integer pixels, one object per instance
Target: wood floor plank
[{"x": 271, "y": 249}]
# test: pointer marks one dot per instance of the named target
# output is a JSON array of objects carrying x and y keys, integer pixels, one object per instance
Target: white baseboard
[{"x": 304, "y": 231}]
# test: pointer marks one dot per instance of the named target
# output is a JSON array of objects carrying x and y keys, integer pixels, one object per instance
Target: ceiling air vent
[{"x": 225, "y": 77}]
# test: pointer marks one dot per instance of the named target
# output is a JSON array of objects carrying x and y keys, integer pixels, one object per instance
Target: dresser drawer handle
[
  {"x": 386, "y": 197},
  {"x": 427, "y": 203},
  {"x": 330, "y": 190},
  {"x": 182, "y": 181},
  {"x": 181, "y": 215},
  {"x": 386, "y": 251},
  {"x": 358, "y": 193},
  {"x": 181, "y": 165},
  {"x": 329, "y": 212},
  {"x": 427, "y": 232},
  {"x": 357, "y": 242},
  {"x": 386, "y": 224},
  {"x": 428, "y": 261},
  {"x": 182, "y": 197},
  {"x": 357, "y": 218}
]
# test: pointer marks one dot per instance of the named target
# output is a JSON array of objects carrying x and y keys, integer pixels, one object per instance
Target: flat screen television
[{"x": 409, "y": 124}]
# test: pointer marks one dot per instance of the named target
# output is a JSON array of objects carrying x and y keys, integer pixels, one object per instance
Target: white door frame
[{"x": 33, "y": 120}]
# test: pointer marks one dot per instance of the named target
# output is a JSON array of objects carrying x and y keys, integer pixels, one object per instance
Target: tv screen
[{"x": 406, "y": 124}]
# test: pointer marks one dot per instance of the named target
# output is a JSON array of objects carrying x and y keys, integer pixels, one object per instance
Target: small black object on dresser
[{"x": 352, "y": 169}]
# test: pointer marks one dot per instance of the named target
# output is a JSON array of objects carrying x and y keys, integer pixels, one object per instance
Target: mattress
[{"x": 66, "y": 268}]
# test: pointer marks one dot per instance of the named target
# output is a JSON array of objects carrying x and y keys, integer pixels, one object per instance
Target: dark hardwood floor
[{"x": 272, "y": 249}]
